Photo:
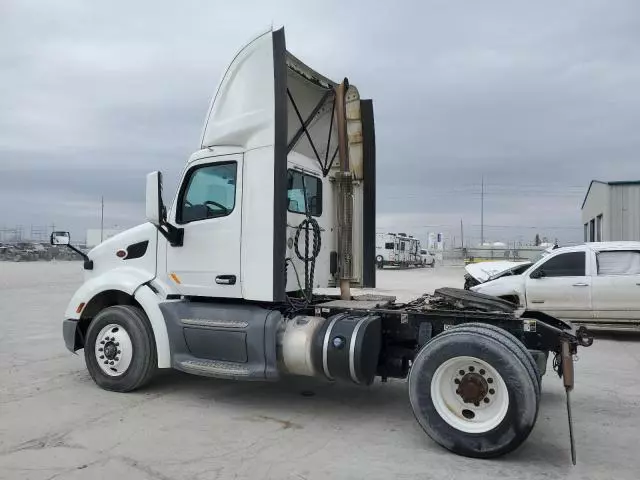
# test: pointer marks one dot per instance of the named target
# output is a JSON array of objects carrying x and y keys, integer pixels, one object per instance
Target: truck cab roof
[{"x": 619, "y": 245}]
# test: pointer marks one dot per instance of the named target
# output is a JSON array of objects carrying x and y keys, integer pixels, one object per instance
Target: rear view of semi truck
[{"x": 278, "y": 201}]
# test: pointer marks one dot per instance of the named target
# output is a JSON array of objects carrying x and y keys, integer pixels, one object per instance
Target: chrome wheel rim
[
  {"x": 469, "y": 394},
  {"x": 113, "y": 350}
]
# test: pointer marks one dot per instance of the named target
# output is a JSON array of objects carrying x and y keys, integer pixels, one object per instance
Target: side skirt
[{"x": 223, "y": 340}]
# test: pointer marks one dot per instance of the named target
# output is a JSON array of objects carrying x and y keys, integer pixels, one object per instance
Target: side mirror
[
  {"x": 60, "y": 238},
  {"x": 156, "y": 213},
  {"x": 154, "y": 209},
  {"x": 538, "y": 274},
  {"x": 64, "y": 238}
]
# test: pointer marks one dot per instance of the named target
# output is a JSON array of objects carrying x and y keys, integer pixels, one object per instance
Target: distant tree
[{"x": 537, "y": 240}]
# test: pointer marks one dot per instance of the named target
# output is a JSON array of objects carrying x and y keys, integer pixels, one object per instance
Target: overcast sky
[{"x": 538, "y": 96}]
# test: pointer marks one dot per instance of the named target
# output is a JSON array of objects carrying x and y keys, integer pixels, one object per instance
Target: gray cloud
[{"x": 537, "y": 97}]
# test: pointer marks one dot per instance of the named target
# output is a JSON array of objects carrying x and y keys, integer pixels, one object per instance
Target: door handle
[
  {"x": 226, "y": 279},
  {"x": 580, "y": 284},
  {"x": 537, "y": 301}
]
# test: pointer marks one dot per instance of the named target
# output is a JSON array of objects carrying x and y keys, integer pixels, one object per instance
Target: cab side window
[
  {"x": 570, "y": 264},
  {"x": 210, "y": 193},
  {"x": 619, "y": 262},
  {"x": 304, "y": 193}
]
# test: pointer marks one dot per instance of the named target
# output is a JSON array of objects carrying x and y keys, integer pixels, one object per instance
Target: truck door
[
  {"x": 561, "y": 287},
  {"x": 208, "y": 207}
]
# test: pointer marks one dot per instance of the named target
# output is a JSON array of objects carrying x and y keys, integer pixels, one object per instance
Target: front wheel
[
  {"x": 120, "y": 350},
  {"x": 472, "y": 395}
]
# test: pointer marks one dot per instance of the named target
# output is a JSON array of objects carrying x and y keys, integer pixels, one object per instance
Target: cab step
[{"x": 214, "y": 368}]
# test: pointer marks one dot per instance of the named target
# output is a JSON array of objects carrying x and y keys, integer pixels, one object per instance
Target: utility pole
[
  {"x": 461, "y": 235},
  {"x": 101, "y": 219},
  {"x": 482, "y": 213}
]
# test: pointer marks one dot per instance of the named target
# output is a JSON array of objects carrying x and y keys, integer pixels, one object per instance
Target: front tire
[
  {"x": 472, "y": 395},
  {"x": 120, "y": 350}
]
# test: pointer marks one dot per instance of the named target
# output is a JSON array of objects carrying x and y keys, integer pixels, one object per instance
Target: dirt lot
[{"x": 55, "y": 423}]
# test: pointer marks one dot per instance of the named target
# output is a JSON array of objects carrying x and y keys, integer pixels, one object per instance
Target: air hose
[{"x": 309, "y": 224}]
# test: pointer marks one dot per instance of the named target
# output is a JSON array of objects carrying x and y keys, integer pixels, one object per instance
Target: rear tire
[
  {"x": 509, "y": 340},
  {"x": 128, "y": 338},
  {"x": 450, "y": 381}
]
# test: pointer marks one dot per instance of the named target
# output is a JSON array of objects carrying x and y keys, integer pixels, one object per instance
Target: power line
[
  {"x": 434, "y": 194},
  {"x": 547, "y": 227},
  {"x": 482, "y": 212}
]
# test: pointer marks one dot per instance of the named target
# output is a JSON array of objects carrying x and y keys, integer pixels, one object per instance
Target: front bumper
[{"x": 72, "y": 334}]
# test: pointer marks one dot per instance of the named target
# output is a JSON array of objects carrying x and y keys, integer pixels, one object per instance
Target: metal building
[{"x": 611, "y": 211}]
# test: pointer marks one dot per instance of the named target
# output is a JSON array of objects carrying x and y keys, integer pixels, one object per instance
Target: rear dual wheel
[
  {"x": 511, "y": 342},
  {"x": 473, "y": 392}
]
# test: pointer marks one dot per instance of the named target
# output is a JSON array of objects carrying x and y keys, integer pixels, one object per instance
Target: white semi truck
[{"x": 278, "y": 200}]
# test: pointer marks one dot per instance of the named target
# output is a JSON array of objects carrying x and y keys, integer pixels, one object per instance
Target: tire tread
[
  {"x": 454, "y": 440},
  {"x": 150, "y": 361}
]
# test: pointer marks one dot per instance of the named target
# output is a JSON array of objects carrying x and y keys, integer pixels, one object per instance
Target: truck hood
[
  {"x": 104, "y": 255},
  {"x": 508, "y": 285},
  {"x": 484, "y": 271}
]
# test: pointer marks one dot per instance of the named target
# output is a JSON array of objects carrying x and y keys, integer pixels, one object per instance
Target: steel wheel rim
[
  {"x": 452, "y": 392},
  {"x": 113, "y": 350}
]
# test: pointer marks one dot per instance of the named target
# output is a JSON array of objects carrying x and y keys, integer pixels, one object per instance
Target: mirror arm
[
  {"x": 174, "y": 235},
  {"x": 88, "y": 263}
]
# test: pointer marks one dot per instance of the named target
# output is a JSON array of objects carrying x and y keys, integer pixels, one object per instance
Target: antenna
[
  {"x": 101, "y": 219},
  {"x": 482, "y": 213}
]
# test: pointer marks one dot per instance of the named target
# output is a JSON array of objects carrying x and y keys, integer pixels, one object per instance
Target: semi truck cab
[{"x": 277, "y": 201}]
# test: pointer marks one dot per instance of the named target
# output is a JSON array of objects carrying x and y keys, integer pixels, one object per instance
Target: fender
[
  {"x": 150, "y": 303},
  {"x": 125, "y": 279},
  {"x": 132, "y": 282},
  {"x": 501, "y": 287}
]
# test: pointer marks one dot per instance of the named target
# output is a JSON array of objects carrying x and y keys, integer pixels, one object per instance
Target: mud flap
[{"x": 567, "y": 378}]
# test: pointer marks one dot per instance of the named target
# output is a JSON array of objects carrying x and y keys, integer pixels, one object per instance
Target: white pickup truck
[{"x": 594, "y": 283}]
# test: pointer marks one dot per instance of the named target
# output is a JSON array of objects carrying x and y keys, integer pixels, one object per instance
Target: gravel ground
[{"x": 55, "y": 423}]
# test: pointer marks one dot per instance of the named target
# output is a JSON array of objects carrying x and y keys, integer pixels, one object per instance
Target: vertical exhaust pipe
[{"x": 345, "y": 195}]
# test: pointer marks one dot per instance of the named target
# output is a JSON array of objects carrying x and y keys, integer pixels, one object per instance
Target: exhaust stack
[{"x": 344, "y": 181}]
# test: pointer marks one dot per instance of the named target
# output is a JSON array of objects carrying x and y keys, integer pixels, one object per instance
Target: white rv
[{"x": 399, "y": 249}]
